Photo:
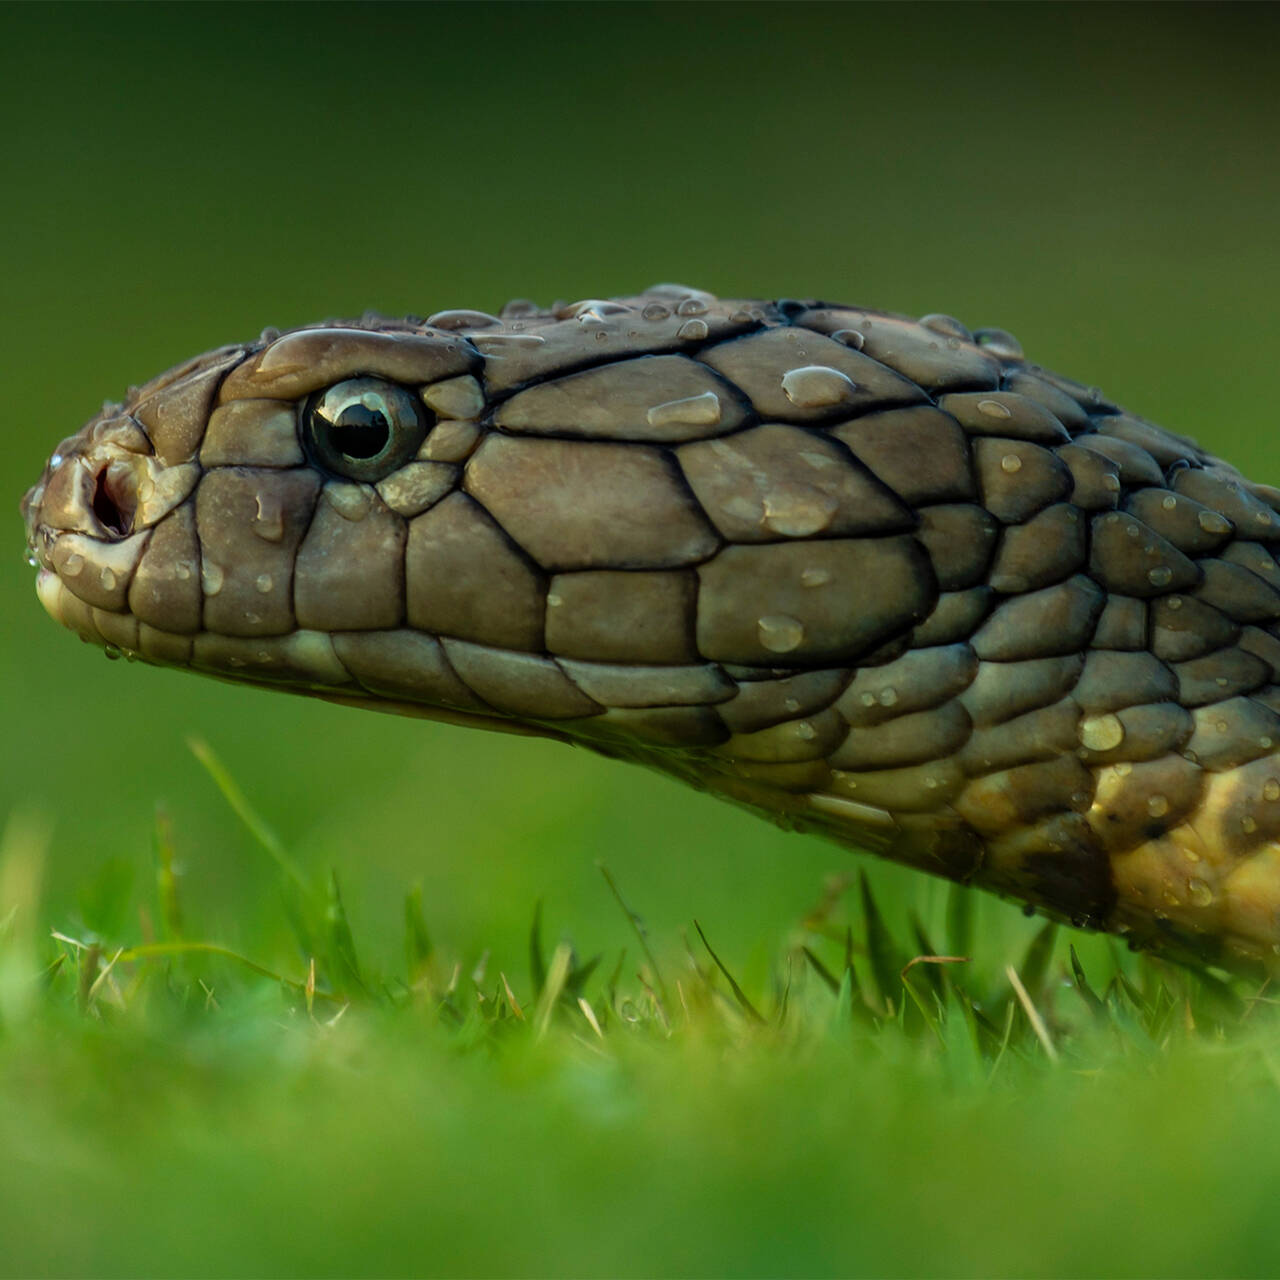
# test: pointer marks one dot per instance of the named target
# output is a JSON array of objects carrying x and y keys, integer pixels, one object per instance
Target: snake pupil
[{"x": 360, "y": 432}]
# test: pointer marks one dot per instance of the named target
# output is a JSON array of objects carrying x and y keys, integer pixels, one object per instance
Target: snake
[{"x": 875, "y": 578}]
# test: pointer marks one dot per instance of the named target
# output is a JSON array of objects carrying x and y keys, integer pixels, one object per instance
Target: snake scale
[{"x": 875, "y": 578}]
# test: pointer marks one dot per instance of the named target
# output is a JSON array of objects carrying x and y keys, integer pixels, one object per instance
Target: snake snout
[{"x": 90, "y": 520}]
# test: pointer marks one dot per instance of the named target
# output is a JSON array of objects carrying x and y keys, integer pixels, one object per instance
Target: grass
[{"x": 873, "y": 1102}]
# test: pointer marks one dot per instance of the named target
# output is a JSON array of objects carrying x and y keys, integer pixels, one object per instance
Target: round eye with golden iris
[{"x": 363, "y": 428}]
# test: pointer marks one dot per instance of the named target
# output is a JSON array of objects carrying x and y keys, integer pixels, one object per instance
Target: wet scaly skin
[{"x": 878, "y": 579}]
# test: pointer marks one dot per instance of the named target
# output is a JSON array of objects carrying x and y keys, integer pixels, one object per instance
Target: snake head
[
  {"x": 425, "y": 516},
  {"x": 172, "y": 526}
]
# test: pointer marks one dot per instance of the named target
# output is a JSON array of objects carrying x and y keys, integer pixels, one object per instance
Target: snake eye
[{"x": 363, "y": 428}]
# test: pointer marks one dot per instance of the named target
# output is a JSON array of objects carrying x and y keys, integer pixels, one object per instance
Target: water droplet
[
  {"x": 1265, "y": 743},
  {"x": 792, "y": 704},
  {"x": 554, "y": 601},
  {"x": 1271, "y": 789},
  {"x": 182, "y": 571},
  {"x": 1111, "y": 482},
  {"x": 850, "y": 337},
  {"x": 655, "y": 311},
  {"x": 888, "y": 696},
  {"x": 814, "y": 577},
  {"x": 798, "y": 510},
  {"x": 1160, "y": 576},
  {"x": 211, "y": 577},
  {"x": 1011, "y": 463},
  {"x": 1264, "y": 518},
  {"x": 1248, "y": 825},
  {"x": 994, "y": 409},
  {"x": 1199, "y": 893},
  {"x": 1100, "y": 733},
  {"x": 1157, "y": 806},
  {"x": 461, "y": 319},
  {"x": 805, "y": 730},
  {"x": 691, "y": 307},
  {"x": 1174, "y": 602},
  {"x": 108, "y": 578},
  {"x": 111, "y": 653},
  {"x": 1122, "y": 768},
  {"x": 268, "y": 520},
  {"x": 946, "y": 325},
  {"x": 72, "y": 565},
  {"x": 818, "y": 461},
  {"x": 263, "y": 583},
  {"x": 868, "y": 699},
  {"x": 700, "y": 410},
  {"x": 1168, "y": 502},
  {"x": 779, "y": 632},
  {"x": 693, "y": 330},
  {"x": 56, "y": 461},
  {"x": 815, "y": 386},
  {"x": 498, "y": 344},
  {"x": 999, "y": 343}
]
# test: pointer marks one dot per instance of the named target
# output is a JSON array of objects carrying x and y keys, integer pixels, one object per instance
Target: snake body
[{"x": 878, "y": 579}]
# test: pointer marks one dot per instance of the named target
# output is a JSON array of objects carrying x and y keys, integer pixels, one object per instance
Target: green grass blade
[
  {"x": 252, "y": 820},
  {"x": 345, "y": 968},
  {"x": 417, "y": 941},
  {"x": 537, "y": 961},
  {"x": 959, "y": 931},
  {"x": 1090, "y": 997},
  {"x": 1035, "y": 963},
  {"x": 167, "y": 876},
  {"x": 738, "y": 994},
  {"x": 886, "y": 959},
  {"x": 637, "y": 925}
]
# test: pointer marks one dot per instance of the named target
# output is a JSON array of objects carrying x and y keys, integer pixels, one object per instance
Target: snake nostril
[{"x": 115, "y": 501}]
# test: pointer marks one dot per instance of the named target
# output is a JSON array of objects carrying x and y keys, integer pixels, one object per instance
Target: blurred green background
[{"x": 1102, "y": 181}]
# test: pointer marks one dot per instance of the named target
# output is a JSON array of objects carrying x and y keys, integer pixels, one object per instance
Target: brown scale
[{"x": 874, "y": 578}]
